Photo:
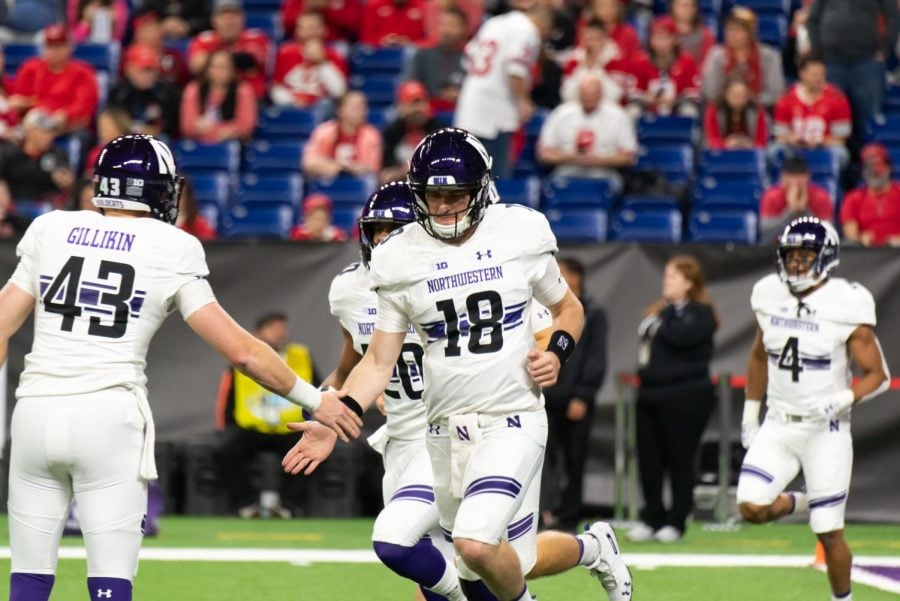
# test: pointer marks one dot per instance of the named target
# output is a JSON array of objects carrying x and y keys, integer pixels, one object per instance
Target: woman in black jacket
[{"x": 675, "y": 398}]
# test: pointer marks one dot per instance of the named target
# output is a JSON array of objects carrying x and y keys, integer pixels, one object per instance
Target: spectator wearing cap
[
  {"x": 151, "y": 102},
  {"x": 112, "y": 122},
  {"x": 813, "y": 113},
  {"x": 735, "y": 120},
  {"x": 217, "y": 107},
  {"x": 35, "y": 171},
  {"x": 342, "y": 17},
  {"x": 588, "y": 137},
  {"x": 668, "y": 81},
  {"x": 393, "y": 23},
  {"x": 439, "y": 68},
  {"x": 147, "y": 28},
  {"x": 54, "y": 82},
  {"x": 742, "y": 55},
  {"x": 694, "y": 37},
  {"x": 870, "y": 214},
  {"x": 413, "y": 122},
  {"x": 306, "y": 70},
  {"x": 317, "y": 226},
  {"x": 182, "y": 19},
  {"x": 97, "y": 21},
  {"x": 598, "y": 54},
  {"x": 794, "y": 196},
  {"x": 250, "y": 47},
  {"x": 344, "y": 145}
]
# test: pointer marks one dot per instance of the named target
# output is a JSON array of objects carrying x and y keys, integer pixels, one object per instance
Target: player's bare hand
[
  {"x": 379, "y": 404},
  {"x": 312, "y": 449},
  {"x": 338, "y": 416},
  {"x": 543, "y": 367}
]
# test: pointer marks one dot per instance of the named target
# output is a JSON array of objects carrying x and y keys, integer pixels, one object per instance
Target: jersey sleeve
[
  {"x": 391, "y": 316},
  {"x": 522, "y": 52},
  {"x": 764, "y": 292},
  {"x": 27, "y": 249},
  {"x": 541, "y": 318},
  {"x": 189, "y": 265},
  {"x": 861, "y": 309}
]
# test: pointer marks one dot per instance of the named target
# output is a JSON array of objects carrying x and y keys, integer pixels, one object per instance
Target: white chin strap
[
  {"x": 804, "y": 282},
  {"x": 451, "y": 230}
]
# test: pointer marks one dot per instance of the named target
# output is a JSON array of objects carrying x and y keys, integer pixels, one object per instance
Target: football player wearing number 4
[
  {"x": 464, "y": 277},
  {"x": 100, "y": 286},
  {"x": 810, "y": 326}
]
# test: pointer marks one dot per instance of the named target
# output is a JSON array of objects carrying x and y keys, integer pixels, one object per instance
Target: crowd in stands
[{"x": 650, "y": 120}]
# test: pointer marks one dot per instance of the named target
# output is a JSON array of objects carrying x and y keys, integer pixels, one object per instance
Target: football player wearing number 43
[
  {"x": 810, "y": 324},
  {"x": 464, "y": 276},
  {"x": 100, "y": 286}
]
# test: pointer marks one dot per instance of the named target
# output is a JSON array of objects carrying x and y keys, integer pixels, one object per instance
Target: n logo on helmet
[{"x": 163, "y": 157}]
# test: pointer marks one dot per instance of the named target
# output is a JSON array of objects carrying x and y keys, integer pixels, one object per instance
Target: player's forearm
[
  {"x": 757, "y": 379},
  {"x": 368, "y": 380},
  {"x": 262, "y": 364},
  {"x": 568, "y": 315}
]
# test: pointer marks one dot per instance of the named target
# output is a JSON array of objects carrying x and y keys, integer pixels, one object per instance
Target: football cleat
[{"x": 609, "y": 567}]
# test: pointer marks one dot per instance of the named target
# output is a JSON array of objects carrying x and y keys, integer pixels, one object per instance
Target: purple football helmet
[
  {"x": 391, "y": 204},
  {"x": 136, "y": 172},
  {"x": 451, "y": 159},
  {"x": 814, "y": 234}
]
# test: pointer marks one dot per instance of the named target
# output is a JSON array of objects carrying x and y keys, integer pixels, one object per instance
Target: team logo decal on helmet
[
  {"x": 451, "y": 159},
  {"x": 392, "y": 204},
  {"x": 136, "y": 172},
  {"x": 813, "y": 234}
]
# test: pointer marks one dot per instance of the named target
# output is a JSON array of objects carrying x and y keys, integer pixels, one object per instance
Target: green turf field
[{"x": 279, "y": 560}]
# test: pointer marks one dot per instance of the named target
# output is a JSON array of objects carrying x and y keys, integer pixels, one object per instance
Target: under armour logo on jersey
[
  {"x": 434, "y": 429},
  {"x": 484, "y": 255},
  {"x": 104, "y": 594}
]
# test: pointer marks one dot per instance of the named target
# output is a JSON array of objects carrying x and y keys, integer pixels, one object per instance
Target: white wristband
[
  {"x": 751, "y": 411},
  {"x": 305, "y": 394}
]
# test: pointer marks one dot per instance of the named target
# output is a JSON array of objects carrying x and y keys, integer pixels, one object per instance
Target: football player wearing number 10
[
  {"x": 464, "y": 276},
  {"x": 810, "y": 327},
  {"x": 100, "y": 287}
]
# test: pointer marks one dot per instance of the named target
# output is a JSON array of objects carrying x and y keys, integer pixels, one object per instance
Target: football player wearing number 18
[
  {"x": 100, "y": 286},
  {"x": 810, "y": 327},
  {"x": 464, "y": 276}
]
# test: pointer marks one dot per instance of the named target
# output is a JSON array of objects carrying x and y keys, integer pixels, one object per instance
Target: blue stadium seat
[
  {"x": 345, "y": 218},
  {"x": 655, "y": 130},
  {"x": 822, "y": 162},
  {"x": 379, "y": 118},
  {"x": 16, "y": 54},
  {"x": 366, "y": 60},
  {"x": 259, "y": 222},
  {"x": 280, "y": 157},
  {"x": 380, "y": 90},
  {"x": 891, "y": 103},
  {"x": 267, "y": 21},
  {"x": 572, "y": 192},
  {"x": 768, "y": 7},
  {"x": 445, "y": 117},
  {"x": 344, "y": 190},
  {"x": 179, "y": 45},
  {"x": 741, "y": 165},
  {"x": 663, "y": 226},
  {"x": 773, "y": 30},
  {"x": 578, "y": 225},
  {"x": 713, "y": 194},
  {"x": 32, "y": 209},
  {"x": 283, "y": 124},
  {"x": 214, "y": 188},
  {"x": 72, "y": 146},
  {"x": 271, "y": 190},
  {"x": 707, "y": 7},
  {"x": 641, "y": 202},
  {"x": 723, "y": 226},
  {"x": 102, "y": 57},
  {"x": 211, "y": 212},
  {"x": 262, "y": 5},
  {"x": 886, "y": 130},
  {"x": 520, "y": 190},
  {"x": 196, "y": 158},
  {"x": 675, "y": 162},
  {"x": 534, "y": 125}
]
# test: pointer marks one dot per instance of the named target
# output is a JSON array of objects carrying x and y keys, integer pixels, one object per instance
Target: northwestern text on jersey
[{"x": 465, "y": 278}]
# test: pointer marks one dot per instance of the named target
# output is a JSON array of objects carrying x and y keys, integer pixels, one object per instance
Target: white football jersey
[
  {"x": 102, "y": 287},
  {"x": 806, "y": 339},
  {"x": 355, "y": 305},
  {"x": 470, "y": 305},
  {"x": 505, "y": 45}
]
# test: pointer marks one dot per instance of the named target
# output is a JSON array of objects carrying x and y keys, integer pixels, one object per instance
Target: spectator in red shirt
[
  {"x": 65, "y": 88},
  {"x": 148, "y": 31},
  {"x": 217, "y": 107},
  {"x": 393, "y": 23},
  {"x": 814, "y": 113},
  {"x": 9, "y": 117},
  {"x": 794, "y": 196},
  {"x": 667, "y": 79},
  {"x": 306, "y": 71},
  {"x": 870, "y": 215},
  {"x": 735, "y": 121},
  {"x": 317, "y": 226},
  {"x": 342, "y": 17},
  {"x": 189, "y": 217},
  {"x": 694, "y": 37},
  {"x": 612, "y": 14},
  {"x": 249, "y": 46},
  {"x": 344, "y": 145},
  {"x": 599, "y": 55}
]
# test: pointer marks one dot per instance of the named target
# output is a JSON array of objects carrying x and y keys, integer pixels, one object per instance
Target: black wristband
[
  {"x": 562, "y": 345},
  {"x": 353, "y": 404}
]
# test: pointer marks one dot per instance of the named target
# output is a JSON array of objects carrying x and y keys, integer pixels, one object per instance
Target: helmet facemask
[{"x": 809, "y": 234}]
